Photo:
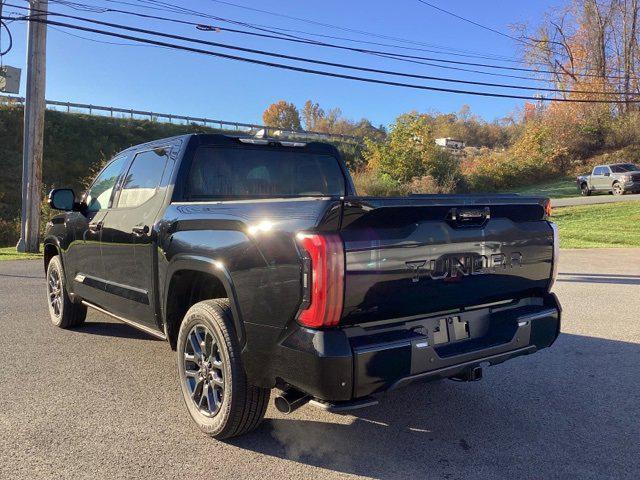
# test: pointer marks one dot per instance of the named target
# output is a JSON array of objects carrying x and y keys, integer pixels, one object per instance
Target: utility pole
[{"x": 33, "y": 129}]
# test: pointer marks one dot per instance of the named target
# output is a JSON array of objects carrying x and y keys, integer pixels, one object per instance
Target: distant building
[{"x": 455, "y": 146}]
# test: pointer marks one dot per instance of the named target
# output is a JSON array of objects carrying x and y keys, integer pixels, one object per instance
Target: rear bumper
[{"x": 347, "y": 364}]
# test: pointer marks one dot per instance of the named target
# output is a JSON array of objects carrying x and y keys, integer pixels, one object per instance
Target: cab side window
[
  {"x": 142, "y": 180},
  {"x": 99, "y": 195}
]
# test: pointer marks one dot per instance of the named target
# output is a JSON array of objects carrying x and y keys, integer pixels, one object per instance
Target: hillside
[{"x": 74, "y": 146}]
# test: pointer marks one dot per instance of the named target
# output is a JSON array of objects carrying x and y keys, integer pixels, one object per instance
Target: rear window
[{"x": 246, "y": 173}]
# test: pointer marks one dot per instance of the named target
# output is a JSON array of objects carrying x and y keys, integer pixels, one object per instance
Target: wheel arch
[
  {"x": 193, "y": 278},
  {"x": 50, "y": 249}
]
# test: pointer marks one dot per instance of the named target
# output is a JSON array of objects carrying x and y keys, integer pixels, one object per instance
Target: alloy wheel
[
  {"x": 203, "y": 370},
  {"x": 54, "y": 289}
]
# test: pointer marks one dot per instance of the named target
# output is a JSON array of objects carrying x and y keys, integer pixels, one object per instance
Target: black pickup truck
[{"x": 258, "y": 263}]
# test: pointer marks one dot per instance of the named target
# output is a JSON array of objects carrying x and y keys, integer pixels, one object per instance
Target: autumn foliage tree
[
  {"x": 588, "y": 46},
  {"x": 409, "y": 152},
  {"x": 283, "y": 115}
]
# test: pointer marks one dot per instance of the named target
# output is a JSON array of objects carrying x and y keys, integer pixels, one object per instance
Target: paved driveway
[
  {"x": 103, "y": 402},
  {"x": 593, "y": 199}
]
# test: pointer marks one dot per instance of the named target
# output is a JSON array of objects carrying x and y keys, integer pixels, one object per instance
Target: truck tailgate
[{"x": 421, "y": 255}]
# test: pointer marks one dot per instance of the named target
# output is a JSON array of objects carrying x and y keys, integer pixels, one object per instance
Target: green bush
[{"x": 9, "y": 232}]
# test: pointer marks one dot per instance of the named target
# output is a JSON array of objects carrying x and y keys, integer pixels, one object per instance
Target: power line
[
  {"x": 330, "y": 64},
  {"x": 326, "y": 25},
  {"x": 81, "y": 37},
  {"x": 528, "y": 42},
  {"x": 459, "y": 17},
  {"x": 163, "y": 6},
  {"x": 313, "y": 71},
  {"x": 396, "y": 56},
  {"x": 6, "y": 27},
  {"x": 276, "y": 34},
  {"x": 391, "y": 55}
]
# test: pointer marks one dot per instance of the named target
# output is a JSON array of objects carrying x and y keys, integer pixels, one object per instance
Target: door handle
[
  {"x": 140, "y": 230},
  {"x": 95, "y": 227}
]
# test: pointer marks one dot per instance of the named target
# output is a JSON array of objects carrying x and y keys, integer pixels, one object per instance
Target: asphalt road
[
  {"x": 593, "y": 199},
  {"x": 103, "y": 402}
]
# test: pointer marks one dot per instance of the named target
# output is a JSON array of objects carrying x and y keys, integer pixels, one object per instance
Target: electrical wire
[
  {"x": 331, "y": 64},
  {"x": 81, "y": 37},
  {"x": 313, "y": 71},
  {"x": 528, "y": 42},
  {"x": 9, "y": 36},
  {"x": 395, "y": 56},
  {"x": 8, "y": 49},
  {"x": 389, "y": 55},
  {"x": 163, "y": 6},
  {"x": 472, "y": 22},
  {"x": 321, "y": 24}
]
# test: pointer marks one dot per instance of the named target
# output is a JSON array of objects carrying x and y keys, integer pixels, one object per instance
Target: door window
[
  {"x": 99, "y": 195},
  {"x": 142, "y": 180},
  {"x": 598, "y": 171}
]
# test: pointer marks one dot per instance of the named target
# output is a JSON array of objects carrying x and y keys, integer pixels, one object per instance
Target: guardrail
[{"x": 71, "y": 107}]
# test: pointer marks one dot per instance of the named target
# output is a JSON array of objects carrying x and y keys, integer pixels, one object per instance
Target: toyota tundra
[{"x": 259, "y": 264}]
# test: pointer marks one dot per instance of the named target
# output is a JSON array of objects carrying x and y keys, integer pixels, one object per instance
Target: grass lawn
[
  {"x": 9, "y": 253},
  {"x": 556, "y": 189},
  {"x": 599, "y": 226}
]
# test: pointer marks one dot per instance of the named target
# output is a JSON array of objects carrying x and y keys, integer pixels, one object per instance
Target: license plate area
[{"x": 447, "y": 330}]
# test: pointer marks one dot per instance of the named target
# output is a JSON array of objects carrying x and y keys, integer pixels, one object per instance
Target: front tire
[
  {"x": 212, "y": 378},
  {"x": 63, "y": 312},
  {"x": 617, "y": 189}
]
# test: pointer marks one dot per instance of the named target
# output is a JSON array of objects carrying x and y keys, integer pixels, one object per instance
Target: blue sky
[{"x": 169, "y": 81}]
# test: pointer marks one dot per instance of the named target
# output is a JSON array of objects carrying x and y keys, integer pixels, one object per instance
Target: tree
[
  {"x": 312, "y": 114},
  {"x": 409, "y": 151},
  {"x": 282, "y": 115},
  {"x": 590, "y": 45}
]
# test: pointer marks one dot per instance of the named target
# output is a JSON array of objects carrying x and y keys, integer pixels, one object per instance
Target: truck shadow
[
  {"x": 114, "y": 329},
  {"x": 567, "y": 412}
]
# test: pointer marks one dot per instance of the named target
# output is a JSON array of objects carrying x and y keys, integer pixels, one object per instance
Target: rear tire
[
  {"x": 584, "y": 190},
  {"x": 212, "y": 378},
  {"x": 64, "y": 313}
]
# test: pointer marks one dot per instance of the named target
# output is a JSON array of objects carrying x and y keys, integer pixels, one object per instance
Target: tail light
[
  {"x": 547, "y": 208},
  {"x": 322, "y": 280}
]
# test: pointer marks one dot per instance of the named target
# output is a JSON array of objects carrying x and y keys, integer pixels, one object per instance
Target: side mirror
[
  {"x": 62, "y": 199},
  {"x": 607, "y": 174}
]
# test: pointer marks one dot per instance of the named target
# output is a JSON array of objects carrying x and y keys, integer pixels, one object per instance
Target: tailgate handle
[{"x": 469, "y": 217}]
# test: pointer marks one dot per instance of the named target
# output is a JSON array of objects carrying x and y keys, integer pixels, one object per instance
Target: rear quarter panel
[{"x": 264, "y": 265}]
